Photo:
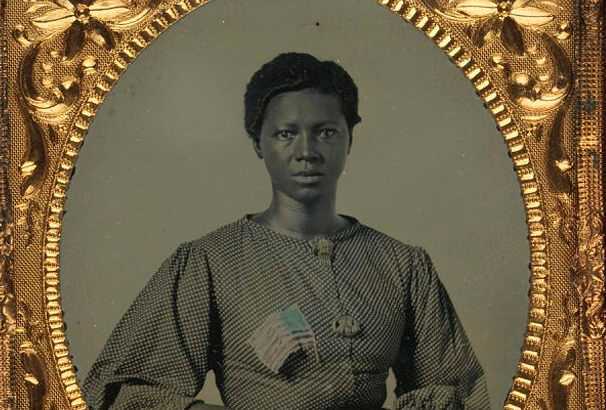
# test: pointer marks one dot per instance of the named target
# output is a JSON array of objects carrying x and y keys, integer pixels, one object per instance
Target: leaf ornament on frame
[
  {"x": 79, "y": 19},
  {"x": 63, "y": 29},
  {"x": 513, "y": 24},
  {"x": 504, "y": 20},
  {"x": 530, "y": 32}
]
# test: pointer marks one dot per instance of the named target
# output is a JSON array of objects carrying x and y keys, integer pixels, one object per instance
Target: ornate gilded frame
[{"x": 535, "y": 64}]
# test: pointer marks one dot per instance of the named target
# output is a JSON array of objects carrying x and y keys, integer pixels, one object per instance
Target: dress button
[
  {"x": 323, "y": 247},
  {"x": 346, "y": 326}
]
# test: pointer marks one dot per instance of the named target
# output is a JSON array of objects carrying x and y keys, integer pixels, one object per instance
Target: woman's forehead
[{"x": 304, "y": 105}]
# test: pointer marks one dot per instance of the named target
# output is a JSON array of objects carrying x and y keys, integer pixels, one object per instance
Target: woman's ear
[{"x": 257, "y": 146}]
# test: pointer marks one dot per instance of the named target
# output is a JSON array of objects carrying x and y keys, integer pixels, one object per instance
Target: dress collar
[{"x": 337, "y": 236}]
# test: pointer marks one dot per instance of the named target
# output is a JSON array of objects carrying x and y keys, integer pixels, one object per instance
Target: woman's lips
[{"x": 308, "y": 177}]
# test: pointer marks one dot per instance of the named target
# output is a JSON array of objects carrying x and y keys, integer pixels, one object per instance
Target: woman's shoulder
[
  {"x": 225, "y": 236},
  {"x": 385, "y": 240},
  {"x": 408, "y": 256},
  {"x": 411, "y": 260}
]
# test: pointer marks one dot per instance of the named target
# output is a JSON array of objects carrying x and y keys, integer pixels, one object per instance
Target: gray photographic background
[{"x": 167, "y": 160}]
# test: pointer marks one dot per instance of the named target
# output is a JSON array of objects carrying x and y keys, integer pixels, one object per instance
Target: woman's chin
[{"x": 308, "y": 194}]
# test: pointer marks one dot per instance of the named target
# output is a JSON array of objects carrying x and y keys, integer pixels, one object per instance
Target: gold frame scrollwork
[{"x": 532, "y": 63}]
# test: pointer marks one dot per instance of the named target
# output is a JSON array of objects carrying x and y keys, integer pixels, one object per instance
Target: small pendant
[
  {"x": 323, "y": 247},
  {"x": 346, "y": 326}
]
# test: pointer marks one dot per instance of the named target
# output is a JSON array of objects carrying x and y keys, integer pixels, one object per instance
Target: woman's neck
[{"x": 304, "y": 221}]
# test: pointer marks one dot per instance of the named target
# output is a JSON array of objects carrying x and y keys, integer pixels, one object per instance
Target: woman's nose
[{"x": 306, "y": 147}]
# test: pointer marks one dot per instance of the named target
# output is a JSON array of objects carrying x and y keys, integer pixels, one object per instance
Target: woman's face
[{"x": 304, "y": 143}]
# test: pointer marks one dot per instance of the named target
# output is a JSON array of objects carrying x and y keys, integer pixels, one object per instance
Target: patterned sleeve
[
  {"x": 159, "y": 353},
  {"x": 437, "y": 368}
]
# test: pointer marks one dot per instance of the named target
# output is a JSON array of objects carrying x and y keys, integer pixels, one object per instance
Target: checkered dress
[{"x": 199, "y": 310}]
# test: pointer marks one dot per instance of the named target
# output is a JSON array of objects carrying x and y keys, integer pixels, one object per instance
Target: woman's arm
[
  {"x": 159, "y": 353},
  {"x": 437, "y": 366}
]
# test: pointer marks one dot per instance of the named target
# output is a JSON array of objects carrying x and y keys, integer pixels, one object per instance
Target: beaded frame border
[{"x": 43, "y": 128}]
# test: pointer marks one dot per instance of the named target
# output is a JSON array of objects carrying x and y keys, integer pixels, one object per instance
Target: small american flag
[{"x": 280, "y": 335}]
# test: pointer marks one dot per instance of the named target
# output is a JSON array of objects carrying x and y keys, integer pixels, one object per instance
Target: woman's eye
[
  {"x": 327, "y": 133},
  {"x": 285, "y": 135}
]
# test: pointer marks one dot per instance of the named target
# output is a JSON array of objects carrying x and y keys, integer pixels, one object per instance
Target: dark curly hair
[{"x": 294, "y": 72}]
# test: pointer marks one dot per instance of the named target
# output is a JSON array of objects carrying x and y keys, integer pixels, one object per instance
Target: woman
[{"x": 296, "y": 307}]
